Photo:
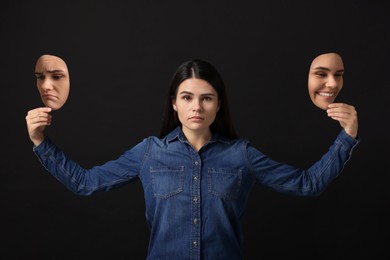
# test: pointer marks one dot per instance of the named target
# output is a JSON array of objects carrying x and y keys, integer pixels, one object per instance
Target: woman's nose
[
  {"x": 331, "y": 82},
  {"x": 196, "y": 105},
  {"x": 47, "y": 85}
]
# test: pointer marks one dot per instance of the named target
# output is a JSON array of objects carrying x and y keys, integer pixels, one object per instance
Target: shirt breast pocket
[
  {"x": 167, "y": 181},
  {"x": 224, "y": 183}
]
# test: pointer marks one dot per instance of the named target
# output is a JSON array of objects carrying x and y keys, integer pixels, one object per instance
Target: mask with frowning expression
[{"x": 53, "y": 80}]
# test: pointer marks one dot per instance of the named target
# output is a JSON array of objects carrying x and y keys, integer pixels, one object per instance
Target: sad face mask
[{"x": 53, "y": 80}]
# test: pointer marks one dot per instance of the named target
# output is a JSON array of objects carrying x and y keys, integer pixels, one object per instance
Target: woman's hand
[
  {"x": 346, "y": 115},
  {"x": 37, "y": 119}
]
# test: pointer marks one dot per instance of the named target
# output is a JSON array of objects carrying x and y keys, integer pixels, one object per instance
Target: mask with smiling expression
[{"x": 325, "y": 79}]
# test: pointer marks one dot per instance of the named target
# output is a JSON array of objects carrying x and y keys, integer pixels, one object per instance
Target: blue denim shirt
[{"x": 194, "y": 200}]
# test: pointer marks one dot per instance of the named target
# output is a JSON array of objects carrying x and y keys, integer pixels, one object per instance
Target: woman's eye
[
  {"x": 321, "y": 75},
  {"x": 57, "y": 77},
  {"x": 39, "y": 76},
  {"x": 187, "y": 98},
  {"x": 207, "y": 98}
]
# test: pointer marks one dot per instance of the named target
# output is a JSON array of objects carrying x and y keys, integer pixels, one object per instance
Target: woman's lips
[
  {"x": 196, "y": 118},
  {"x": 48, "y": 96},
  {"x": 326, "y": 95}
]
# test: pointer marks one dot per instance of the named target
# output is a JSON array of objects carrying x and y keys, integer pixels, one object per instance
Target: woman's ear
[{"x": 174, "y": 105}]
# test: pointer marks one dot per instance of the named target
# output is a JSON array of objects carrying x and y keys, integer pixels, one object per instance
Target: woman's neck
[{"x": 197, "y": 139}]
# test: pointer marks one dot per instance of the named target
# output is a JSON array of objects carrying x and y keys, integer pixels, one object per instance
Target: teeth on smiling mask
[{"x": 326, "y": 94}]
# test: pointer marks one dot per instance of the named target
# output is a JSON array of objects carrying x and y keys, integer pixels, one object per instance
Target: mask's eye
[
  {"x": 321, "y": 74},
  {"x": 57, "y": 76}
]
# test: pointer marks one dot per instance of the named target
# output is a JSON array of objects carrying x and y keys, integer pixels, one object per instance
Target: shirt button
[
  {"x": 196, "y": 163},
  {"x": 195, "y": 199},
  {"x": 195, "y": 221},
  {"x": 195, "y": 243},
  {"x": 195, "y": 178}
]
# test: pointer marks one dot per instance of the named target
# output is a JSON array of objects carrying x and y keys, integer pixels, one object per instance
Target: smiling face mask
[
  {"x": 325, "y": 79},
  {"x": 53, "y": 80}
]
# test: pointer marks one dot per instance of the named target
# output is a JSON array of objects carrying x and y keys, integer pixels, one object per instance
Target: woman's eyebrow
[
  {"x": 207, "y": 94},
  {"x": 190, "y": 93},
  {"x": 185, "y": 92},
  {"x": 49, "y": 71},
  {"x": 327, "y": 69},
  {"x": 322, "y": 68}
]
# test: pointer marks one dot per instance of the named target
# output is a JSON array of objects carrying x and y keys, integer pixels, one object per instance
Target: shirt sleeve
[
  {"x": 83, "y": 181},
  {"x": 295, "y": 181}
]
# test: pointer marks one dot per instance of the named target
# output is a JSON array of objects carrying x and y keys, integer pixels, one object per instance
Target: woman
[{"x": 197, "y": 176}]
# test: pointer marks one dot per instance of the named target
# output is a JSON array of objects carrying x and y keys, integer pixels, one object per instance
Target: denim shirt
[{"x": 194, "y": 200}]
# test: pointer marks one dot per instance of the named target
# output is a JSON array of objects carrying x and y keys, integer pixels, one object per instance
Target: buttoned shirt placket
[{"x": 196, "y": 205}]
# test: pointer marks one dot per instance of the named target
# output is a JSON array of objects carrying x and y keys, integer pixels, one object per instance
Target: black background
[{"x": 122, "y": 55}]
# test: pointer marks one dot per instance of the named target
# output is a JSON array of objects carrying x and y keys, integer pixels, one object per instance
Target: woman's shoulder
[{"x": 231, "y": 141}]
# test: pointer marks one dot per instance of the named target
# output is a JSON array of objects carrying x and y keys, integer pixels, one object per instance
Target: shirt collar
[{"x": 177, "y": 134}]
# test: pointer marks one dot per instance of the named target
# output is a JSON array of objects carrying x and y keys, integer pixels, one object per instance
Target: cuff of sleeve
[
  {"x": 42, "y": 151},
  {"x": 347, "y": 140}
]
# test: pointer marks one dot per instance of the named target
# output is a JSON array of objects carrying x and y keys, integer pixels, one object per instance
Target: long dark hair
[{"x": 199, "y": 69}]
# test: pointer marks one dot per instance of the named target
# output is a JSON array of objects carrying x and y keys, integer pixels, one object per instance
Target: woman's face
[
  {"x": 196, "y": 104},
  {"x": 52, "y": 81},
  {"x": 325, "y": 79}
]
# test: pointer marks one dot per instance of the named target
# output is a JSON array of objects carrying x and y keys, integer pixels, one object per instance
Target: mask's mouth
[{"x": 326, "y": 94}]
